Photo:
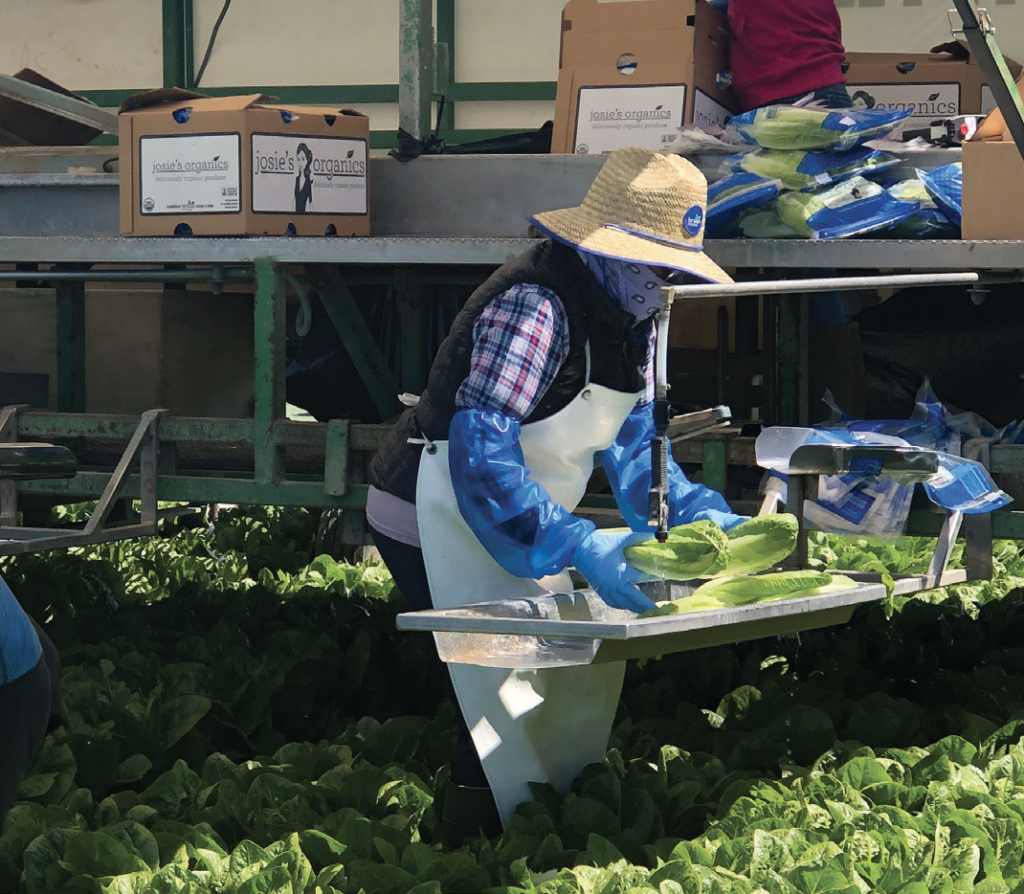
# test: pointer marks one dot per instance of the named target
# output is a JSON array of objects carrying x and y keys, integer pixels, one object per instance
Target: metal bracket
[
  {"x": 980, "y": 34},
  {"x": 144, "y": 446},
  {"x": 8, "y": 489},
  {"x": 981, "y": 19},
  {"x": 906, "y": 464}
]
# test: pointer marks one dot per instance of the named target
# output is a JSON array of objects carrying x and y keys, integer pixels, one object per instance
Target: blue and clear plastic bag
[
  {"x": 849, "y": 208},
  {"x": 731, "y": 196},
  {"x": 795, "y": 127},
  {"x": 764, "y": 224},
  {"x": 946, "y": 187},
  {"x": 928, "y": 222},
  {"x": 867, "y": 503},
  {"x": 798, "y": 169}
]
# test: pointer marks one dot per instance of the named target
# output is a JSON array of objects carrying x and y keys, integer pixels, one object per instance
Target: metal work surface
[
  {"x": 280, "y": 249},
  {"x": 847, "y": 254},
  {"x": 580, "y": 628},
  {"x": 486, "y": 196}
]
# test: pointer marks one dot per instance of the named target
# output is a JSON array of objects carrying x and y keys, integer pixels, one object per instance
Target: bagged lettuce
[
  {"x": 946, "y": 187},
  {"x": 845, "y": 209},
  {"x": 763, "y": 225},
  {"x": 793, "y": 127},
  {"x": 733, "y": 195},
  {"x": 798, "y": 169},
  {"x": 928, "y": 222}
]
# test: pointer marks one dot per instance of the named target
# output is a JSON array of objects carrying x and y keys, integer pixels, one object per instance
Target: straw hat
[{"x": 643, "y": 207}]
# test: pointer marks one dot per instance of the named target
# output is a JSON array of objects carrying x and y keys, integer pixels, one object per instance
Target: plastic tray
[{"x": 579, "y": 628}]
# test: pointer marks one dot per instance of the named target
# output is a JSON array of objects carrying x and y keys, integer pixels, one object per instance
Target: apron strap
[{"x": 427, "y": 444}]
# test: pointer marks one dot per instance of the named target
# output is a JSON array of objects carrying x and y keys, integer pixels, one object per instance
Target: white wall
[
  {"x": 116, "y": 44},
  {"x": 299, "y": 42},
  {"x": 915, "y": 26},
  {"x": 83, "y": 44}
]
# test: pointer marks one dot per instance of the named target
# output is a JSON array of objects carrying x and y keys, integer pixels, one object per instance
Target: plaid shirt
[{"x": 521, "y": 341}]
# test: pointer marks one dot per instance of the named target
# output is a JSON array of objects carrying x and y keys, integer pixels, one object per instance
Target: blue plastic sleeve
[
  {"x": 627, "y": 464},
  {"x": 513, "y": 517},
  {"x": 19, "y": 645}
]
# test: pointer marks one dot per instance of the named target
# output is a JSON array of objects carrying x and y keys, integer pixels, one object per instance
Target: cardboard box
[
  {"x": 238, "y": 166},
  {"x": 632, "y": 72},
  {"x": 24, "y": 125},
  {"x": 937, "y": 85},
  {"x": 145, "y": 347},
  {"x": 993, "y": 191}
]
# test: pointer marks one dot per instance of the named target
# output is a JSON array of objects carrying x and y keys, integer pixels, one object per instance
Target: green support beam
[
  {"x": 197, "y": 489},
  {"x": 445, "y": 63},
  {"x": 355, "y": 334},
  {"x": 70, "y": 298},
  {"x": 269, "y": 349},
  {"x": 177, "y": 24}
]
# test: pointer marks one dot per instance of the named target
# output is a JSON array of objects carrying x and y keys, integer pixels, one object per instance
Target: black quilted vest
[{"x": 618, "y": 352}]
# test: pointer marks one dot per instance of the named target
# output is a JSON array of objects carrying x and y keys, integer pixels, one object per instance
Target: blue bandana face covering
[{"x": 634, "y": 286}]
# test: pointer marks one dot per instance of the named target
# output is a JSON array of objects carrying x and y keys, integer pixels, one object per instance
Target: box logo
[
  {"x": 646, "y": 115},
  {"x": 707, "y": 113},
  {"x": 693, "y": 220},
  {"x": 193, "y": 174},
  {"x": 308, "y": 175},
  {"x": 927, "y": 102}
]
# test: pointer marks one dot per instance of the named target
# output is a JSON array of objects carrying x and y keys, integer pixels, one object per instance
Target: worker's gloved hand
[
  {"x": 724, "y": 520},
  {"x": 627, "y": 464},
  {"x": 601, "y": 560}
]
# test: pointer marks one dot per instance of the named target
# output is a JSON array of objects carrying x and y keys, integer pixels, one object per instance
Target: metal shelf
[
  {"x": 861, "y": 254},
  {"x": 279, "y": 249}
]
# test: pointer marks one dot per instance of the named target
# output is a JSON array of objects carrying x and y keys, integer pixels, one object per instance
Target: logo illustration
[
  {"x": 304, "y": 179},
  {"x": 148, "y": 204},
  {"x": 861, "y": 99},
  {"x": 693, "y": 220}
]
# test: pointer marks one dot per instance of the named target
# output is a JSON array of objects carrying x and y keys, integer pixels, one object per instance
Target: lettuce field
[{"x": 242, "y": 718}]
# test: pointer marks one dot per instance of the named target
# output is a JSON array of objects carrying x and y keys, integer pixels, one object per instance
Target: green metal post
[
  {"x": 71, "y": 346},
  {"x": 269, "y": 351},
  {"x": 415, "y": 66},
  {"x": 804, "y": 361},
  {"x": 445, "y": 73},
  {"x": 174, "y": 42},
  {"x": 413, "y": 327},
  {"x": 789, "y": 352},
  {"x": 340, "y": 304},
  {"x": 715, "y": 468},
  {"x": 188, "y": 40}
]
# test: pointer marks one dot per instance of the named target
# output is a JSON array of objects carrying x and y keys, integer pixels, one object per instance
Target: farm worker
[
  {"x": 29, "y": 693},
  {"x": 548, "y": 364},
  {"x": 782, "y": 51}
]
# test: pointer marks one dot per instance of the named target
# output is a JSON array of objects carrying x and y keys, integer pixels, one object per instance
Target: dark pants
[
  {"x": 410, "y": 574},
  {"x": 834, "y": 96},
  {"x": 29, "y": 708}
]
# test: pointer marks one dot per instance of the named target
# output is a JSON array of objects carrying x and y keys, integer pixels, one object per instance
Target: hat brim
[{"x": 583, "y": 229}]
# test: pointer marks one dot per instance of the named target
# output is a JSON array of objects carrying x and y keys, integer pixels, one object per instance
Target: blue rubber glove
[
  {"x": 627, "y": 463},
  {"x": 601, "y": 560},
  {"x": 513, "y": 517}
]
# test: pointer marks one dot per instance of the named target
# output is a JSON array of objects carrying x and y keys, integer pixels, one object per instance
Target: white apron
[{"x": 527, "y": 725}]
